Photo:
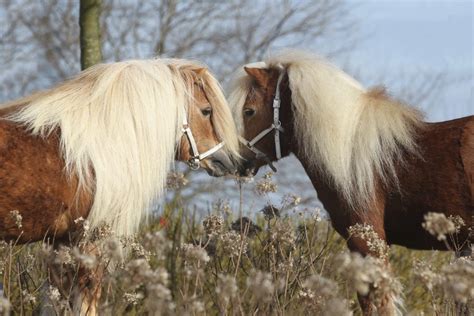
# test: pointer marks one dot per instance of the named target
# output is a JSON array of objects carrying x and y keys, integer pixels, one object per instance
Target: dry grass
[{"x": 285, "y": 261}]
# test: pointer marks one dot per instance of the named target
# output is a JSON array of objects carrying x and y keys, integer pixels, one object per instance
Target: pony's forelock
[
  {"x": 240, "y": 88},
  {"x": 354, "y": 137},
  {"x": 119, "y": 127}
]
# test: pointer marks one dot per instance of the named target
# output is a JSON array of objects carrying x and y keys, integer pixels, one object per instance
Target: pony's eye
[
  {"x": 249, "y": 112},
  {"x": 206, "y": 111}
]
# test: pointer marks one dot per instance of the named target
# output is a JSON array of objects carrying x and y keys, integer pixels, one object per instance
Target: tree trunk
[{"x": 91, "y": 53}]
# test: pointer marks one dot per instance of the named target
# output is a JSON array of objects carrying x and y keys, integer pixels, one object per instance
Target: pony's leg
[
  {"x": 87, "y": 292},
  {"x": 82, "y": 285},
  {"x": 389, "y": 302},
  {"x": 366, "y": 305},
  {"x": 390, "y": 305}
]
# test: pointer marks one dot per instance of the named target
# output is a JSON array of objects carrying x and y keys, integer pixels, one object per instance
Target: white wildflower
[
  {"x": 316, "y": 216},
  {"x": 260, "y": 285},
  {"x": 28, "y": 298},
  {"x": 282, "y": 232},
  {"x": 457, "y": 221},
  {"x": 54, "y": 294},
  {"x": 63, "y": 256},
  {"x": 375, "y": 244},
  {"x": 321, "y": 286},
  {"x": 159, "y": 300},
  {"x": 367, "y": 273},
  {"x": 194, "y": 253},
  {"x": 157, "y": 244},
  {"x": 133, "y": 298},
  {"x": 233, "y": 244},
  {"x": 113, "y": 248},
  {"x": 176, "y": 180},
  {"x": 458, "y": 280},
  {"x": 266, "y": 185},
  {"x": 226, "y": 288},
  {"x": 438, "y": 225},
  {"x": 213, "y": 225},
  {"x": 17, "y": 218},
  {"x": 424, "y": 272},
  {"x": 88, "y": 261},
  {"x": 196, "y": 306},
  {"x": 336, "y": 306},
  {"x": 291, "y": 199},
  {"x": 85, "y": 225}
]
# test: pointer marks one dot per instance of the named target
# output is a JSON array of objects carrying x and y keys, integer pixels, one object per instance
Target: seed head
[
  {"x": 438, "y": 225},
  {"x": 266, "y": 185},
  {"x": 17, "y": 218},
  {"x": 213, "y": 225},
  {"x": 176, "y": 180},
  {"x": 226, "y": 288},
  {"x": 366, "y": 232},
  {"x": 260, "y": 285}
]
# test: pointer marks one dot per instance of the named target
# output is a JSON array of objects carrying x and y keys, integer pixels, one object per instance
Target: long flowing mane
[
  {"x": 119, "y": 125},
  {"x": 353, "y": 136}
]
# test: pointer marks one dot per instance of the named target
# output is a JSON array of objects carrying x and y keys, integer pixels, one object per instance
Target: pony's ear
[
  {"x": 260, "y": 75},
  {"x": 200, "y": 71}
]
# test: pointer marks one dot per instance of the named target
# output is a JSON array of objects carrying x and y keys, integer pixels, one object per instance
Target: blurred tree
[
  {"x": 91, "y": 52},
  {"x": 39, "y": 46}
]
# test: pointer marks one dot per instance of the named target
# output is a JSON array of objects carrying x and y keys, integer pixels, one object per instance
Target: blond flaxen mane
[
  {"x": 120, "y": 124},
  {"x": 353, "y": 136}
]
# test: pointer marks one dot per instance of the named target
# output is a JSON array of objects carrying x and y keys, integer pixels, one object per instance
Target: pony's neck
[
  {"x": 351, "y": 137},
  {"x": 337, "y": 208}
]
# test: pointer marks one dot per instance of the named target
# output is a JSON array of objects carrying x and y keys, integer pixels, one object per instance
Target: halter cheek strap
[
  {"x": 195, "y": 161},
  {"x": 276, "y": 127}
]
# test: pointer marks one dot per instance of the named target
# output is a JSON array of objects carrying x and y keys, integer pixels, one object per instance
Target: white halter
[
  {"x": 276, "y": 126},
  {"x": 195, "y": 161}
]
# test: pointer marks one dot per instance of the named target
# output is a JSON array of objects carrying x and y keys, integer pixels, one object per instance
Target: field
[{"x": 284, "y": 261}]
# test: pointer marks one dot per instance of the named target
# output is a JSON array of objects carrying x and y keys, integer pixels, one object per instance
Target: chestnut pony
[
  {"x": 370, "y": 158},
  {"x": 99, "y": 145}
]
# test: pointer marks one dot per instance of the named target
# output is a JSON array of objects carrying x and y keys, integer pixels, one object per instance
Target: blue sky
[{"x": 409, "y": 37}]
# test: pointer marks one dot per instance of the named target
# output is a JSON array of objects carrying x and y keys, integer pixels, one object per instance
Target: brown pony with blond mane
[
  {"x": 372, "y": 159},
  {"x": 100, "y": 145}
]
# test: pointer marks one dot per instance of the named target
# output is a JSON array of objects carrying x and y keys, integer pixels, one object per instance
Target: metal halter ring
[{"x": 193, "y": 163}]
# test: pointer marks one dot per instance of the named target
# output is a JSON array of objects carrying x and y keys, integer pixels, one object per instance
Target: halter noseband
[
  {"x": 276, "y": 126},
  {"x": 195, "y": 161}
]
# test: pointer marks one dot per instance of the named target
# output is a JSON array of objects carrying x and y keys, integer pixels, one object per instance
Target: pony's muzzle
[{"x": 219, "y": 164}]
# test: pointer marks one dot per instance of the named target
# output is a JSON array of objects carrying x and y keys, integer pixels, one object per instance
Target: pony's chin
[
  {"x": 219, "y": 168},
  {"x": 217, "y": 172},
  {"x": 248, "y": 170}
]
